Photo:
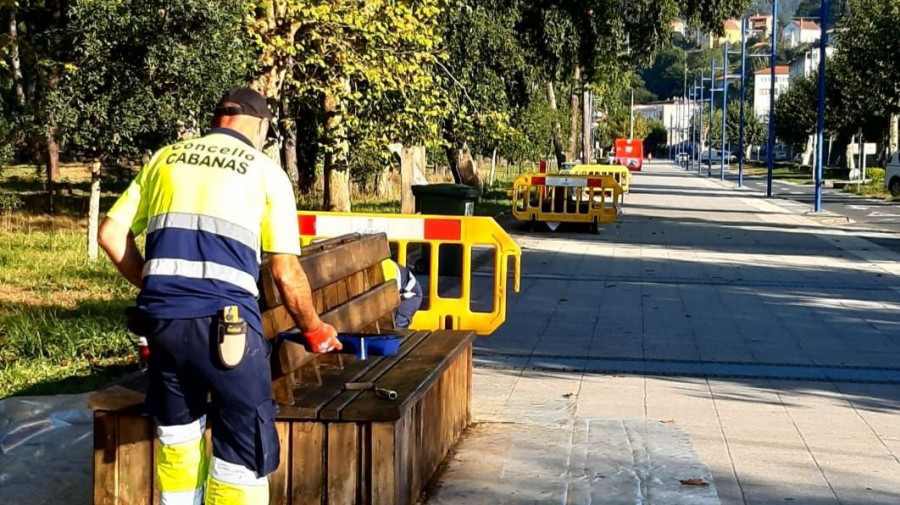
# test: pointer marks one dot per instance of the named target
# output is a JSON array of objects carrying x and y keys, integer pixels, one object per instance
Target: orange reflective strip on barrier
[{"x": 437, "y": 233}]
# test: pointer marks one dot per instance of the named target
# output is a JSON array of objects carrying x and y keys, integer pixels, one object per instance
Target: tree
[
  {"x": 137, "y": 71},
  {"x": 866, "y": 60}
]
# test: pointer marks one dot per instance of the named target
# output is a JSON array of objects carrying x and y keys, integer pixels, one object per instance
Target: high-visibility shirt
[{"x": 209, "y": 206}]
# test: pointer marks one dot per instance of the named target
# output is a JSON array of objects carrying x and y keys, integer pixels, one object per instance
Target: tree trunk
[
  {"x": 894, "y": 136},
  {"x": 586, "y": 143},
  {"x": 289, "y": 153},
  {"x": 306, "y": 126},
  {"x": 573, "y": 133},
  {"x": 493, "y": 168},
  {"x": 94, "y": 211},
  {"x": 336, "y": 196},
  {"x": 557, "y": 128},
  {"x": 52, "y": 163},
  {"x": 15, "y": 63},
  {"x": 453, "y": 162}
]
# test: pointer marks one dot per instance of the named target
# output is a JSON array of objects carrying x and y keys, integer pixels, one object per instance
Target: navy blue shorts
[{"x": 184, "y": 370}]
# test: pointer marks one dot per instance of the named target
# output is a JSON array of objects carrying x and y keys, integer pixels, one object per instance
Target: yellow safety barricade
[
  {"x": 568, "y": 198},
  {"x": 435, "y": 245},
  {"x": 620, "y": 173}
]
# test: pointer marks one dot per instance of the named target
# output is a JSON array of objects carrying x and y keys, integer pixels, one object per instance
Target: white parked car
[{"x": 892, "y": 175}]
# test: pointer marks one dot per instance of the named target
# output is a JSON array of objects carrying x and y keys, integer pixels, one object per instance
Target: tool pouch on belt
[
  {"x": 137, "y": 322},
  {"x": 232, "y": 337}
]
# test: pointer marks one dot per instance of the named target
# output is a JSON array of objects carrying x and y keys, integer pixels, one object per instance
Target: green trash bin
[{"x": 445, "y": 200}]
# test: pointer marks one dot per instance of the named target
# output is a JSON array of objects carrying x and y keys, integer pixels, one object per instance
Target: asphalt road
[{"x": 864, "y": 212}]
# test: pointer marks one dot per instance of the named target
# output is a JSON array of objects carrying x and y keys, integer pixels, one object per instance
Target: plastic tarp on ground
[{"x": 46, "y": 444}]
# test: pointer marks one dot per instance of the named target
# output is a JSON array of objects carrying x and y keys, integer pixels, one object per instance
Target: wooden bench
[{"x": 339, "y": 446}]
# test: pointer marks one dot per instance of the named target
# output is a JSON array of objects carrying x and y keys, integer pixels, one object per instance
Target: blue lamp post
[
  {"x": 743, "y": 97},
  {"x": 700, "y": 123},
  {"x": 820, "y": 124},
  {"x": 770, "y": 151},
  {"x": 724, "y": 105}
]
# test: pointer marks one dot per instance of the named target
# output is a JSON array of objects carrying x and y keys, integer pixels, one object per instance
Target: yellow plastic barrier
[
  {"x": 569, "y": 198},
  {"x": 439, "y": 241},
  {"x": 620, "y": 173}
]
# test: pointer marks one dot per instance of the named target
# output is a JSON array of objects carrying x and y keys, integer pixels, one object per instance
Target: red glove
[{"x": 323, "y": 339}]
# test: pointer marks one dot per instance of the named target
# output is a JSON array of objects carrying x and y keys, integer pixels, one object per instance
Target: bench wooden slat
[
  {"x": 307, "y": 463},
  {"x": 279, "y": 482},
  {"x": 322, "y": 269},
  {"x": 332, "y": 412},
  {"x": 359, "y": 312},
  {"x": 135, "y": 455},
  {"x": 310, "y": 404},
  {"x": 342, "y": 462},
  {"x": 410, "y": 378}
]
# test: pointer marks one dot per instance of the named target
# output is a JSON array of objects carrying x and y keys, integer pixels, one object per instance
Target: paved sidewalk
[{"x": 770, "y": 340}]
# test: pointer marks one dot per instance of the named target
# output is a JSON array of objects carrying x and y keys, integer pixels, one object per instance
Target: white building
[
  {"x": 805, "y": 65},
  {"x": 760, "y": 25},
  {"x": 762, "y": 84},
  {"x": 675, "y": 115},
  {"x": 800, "y": 31}
]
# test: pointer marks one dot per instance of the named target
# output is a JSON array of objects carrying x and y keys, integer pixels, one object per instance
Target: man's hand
[{"x": 323, "y": 339}]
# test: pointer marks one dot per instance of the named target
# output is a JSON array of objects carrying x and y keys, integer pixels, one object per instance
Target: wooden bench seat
[{"x": 339, "y": 446}]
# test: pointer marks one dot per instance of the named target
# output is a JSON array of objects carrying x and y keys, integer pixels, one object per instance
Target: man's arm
[
  {"x": 297, "y": 297},
  {"x": 118, "y": 242},
  {"x": 295, "y": 292}
]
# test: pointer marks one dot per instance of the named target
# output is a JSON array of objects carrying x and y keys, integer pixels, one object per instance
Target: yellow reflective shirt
[{"x": 208, "y": 206}]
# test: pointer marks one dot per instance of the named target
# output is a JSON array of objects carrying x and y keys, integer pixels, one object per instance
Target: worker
[
  {"x": 410, "y": 292},
  {"x": 209, "y": 207}
]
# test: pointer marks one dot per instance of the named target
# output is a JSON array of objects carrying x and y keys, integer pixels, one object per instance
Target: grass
[
  {"x": 61, "y": 315},
  {"x": 61, "y": 327}
]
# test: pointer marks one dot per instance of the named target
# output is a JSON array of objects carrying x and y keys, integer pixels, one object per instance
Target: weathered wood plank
[
  {"x": 332, "y": 411},
  {"x": 135, "y": 459},
  {"x": 327, "y": 265},
  {"x": 307, "y": 463},
  {"x": 116, "y": 398},
  {"x": 342, "y": 463},
  {"x": 410, "y": 378},
  {"x": 383, "y": 466},
  {"x": 359, "y": 312},
  {"x": 279, "y": 481},
  {"x": 106, "y": 440}
]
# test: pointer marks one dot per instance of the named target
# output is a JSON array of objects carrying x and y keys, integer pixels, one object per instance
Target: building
[
  {"x": 731, "y": 33},
  {"x": 762, "y": 85},
  {"x": 760, "y": 25},
  {"x": 800, "y": 31},
  {"x": 677, "y": 26},
  {"x": 807, "y": 64},
  {"x": 674, "y": 114}
]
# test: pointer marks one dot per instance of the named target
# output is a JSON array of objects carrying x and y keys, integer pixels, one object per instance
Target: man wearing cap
[{"x": 209, "y": 207}]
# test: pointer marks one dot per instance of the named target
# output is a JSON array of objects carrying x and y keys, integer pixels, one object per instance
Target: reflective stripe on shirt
[
  {"x": 201, "y": 270},
  {"x": 209, "y": 224}
]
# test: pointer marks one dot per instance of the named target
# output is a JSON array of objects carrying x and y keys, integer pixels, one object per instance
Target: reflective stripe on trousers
[
  {"x": 181, "y": 464},
  {"x": 232, "y": 484}
]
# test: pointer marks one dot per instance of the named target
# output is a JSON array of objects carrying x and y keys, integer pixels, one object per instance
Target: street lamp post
[
  {"x": 694, "y": 132},
  {"x": 712, "y": 107},
  {"x": 743, "y": 97},
  {"x": 700, "y": 123},
  {"x": 820, "y": 125},
  {"x": 724, "y": 104},
  {"x": 770, "y": 154}
]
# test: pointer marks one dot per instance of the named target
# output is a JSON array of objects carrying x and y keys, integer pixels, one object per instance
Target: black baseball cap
[{"x": 247, "y": 102}]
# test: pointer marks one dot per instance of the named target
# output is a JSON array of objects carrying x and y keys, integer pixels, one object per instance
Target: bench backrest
[{"x": 349, "y": 292}]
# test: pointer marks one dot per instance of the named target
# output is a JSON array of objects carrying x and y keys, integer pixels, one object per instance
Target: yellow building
[{"x": 731, "y": 33}]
